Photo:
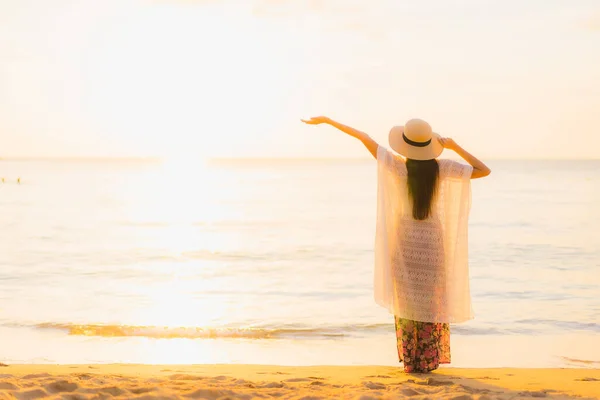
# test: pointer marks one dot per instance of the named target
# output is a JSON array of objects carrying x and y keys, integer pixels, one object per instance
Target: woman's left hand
[{"x": 316, "y": 120}]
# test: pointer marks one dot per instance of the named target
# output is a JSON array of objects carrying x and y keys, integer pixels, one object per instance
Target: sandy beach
[{"x": 319, "y": 382}]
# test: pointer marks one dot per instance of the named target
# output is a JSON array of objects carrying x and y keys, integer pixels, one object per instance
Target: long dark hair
[{"x": 422, "y": 185}]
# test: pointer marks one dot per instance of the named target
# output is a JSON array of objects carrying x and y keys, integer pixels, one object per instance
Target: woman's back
[{"x": 427, "y": 273}]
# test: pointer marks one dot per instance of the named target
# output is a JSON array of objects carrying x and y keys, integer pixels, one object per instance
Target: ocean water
[{"x": 271, "y": 262}]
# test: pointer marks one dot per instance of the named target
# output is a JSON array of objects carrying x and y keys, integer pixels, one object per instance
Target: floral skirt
[{"x": 422, "y": 346}]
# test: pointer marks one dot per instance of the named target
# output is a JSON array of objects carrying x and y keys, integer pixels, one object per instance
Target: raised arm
[
  {"x": 479, "y": 168},
  {"x": 369, "y": 143}
]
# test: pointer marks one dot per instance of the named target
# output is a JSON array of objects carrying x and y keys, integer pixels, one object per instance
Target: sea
[{"x": 271, "y": 262}]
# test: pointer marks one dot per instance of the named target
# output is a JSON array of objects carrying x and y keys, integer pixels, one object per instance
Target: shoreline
[
  {"x": 557, "y": 351},
  {"x": 249, "y": 381}
]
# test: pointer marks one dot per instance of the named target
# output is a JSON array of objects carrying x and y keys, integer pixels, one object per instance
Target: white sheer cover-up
[{"x": 421, "y": 266}]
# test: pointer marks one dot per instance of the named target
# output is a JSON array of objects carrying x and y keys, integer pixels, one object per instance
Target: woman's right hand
[
  {"x": 448, "y": 143},
  {"x": 479, "y": 169},
  {"x": 316, "y": 120}
]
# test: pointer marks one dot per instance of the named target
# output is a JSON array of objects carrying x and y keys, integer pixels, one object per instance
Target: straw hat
[{"x": 415, "y": 140}]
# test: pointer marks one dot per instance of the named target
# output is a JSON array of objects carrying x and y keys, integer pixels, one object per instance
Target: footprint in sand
[
  {"x": 221, "y": 378},
  {"x": 273, "y": 385},
  {"x": 61, "y": 386},
  {"x": 588, "y": 380},
  {"x": 111, "y": 390},
  {"x": 208, "y": 394},
  {"x": 186, "y": 377},
  {"x": 245, "y": 383},
  {"x": 30, "y": 394},
  {"x": 374, "y": 385},
  {"x": 8, "y": 386},
  {"x": 36, "y": 376},
  {"x": 534, "y": 394},
  {"x": 472, "y": 390},
  {"x": 141, "y": 390},
  {"x": 409, "y": 392},
  {"x": 435, "y": 382},
  {"x": 273, "y": 373},
  {"x": 463, "y": 397}
]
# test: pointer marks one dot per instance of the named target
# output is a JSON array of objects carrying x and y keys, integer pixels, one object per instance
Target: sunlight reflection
[
  {"x": 170, "y": 305},
  {"x": 179, "y": 211}
]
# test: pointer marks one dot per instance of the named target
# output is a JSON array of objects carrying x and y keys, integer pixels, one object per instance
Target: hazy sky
[{"x": 505, "y": 78}]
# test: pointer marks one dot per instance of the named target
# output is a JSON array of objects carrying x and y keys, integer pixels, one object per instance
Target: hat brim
[{"x": 429, "y": 152}]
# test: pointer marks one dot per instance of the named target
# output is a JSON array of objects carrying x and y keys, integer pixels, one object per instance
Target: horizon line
[{"x": 163, "y": 159}]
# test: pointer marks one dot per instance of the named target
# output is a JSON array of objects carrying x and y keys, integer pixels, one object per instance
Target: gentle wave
[
  {"x": 563, "y": 325},
  {"x": 523, "y": 327},
  {"x": 158, "y": 332}
]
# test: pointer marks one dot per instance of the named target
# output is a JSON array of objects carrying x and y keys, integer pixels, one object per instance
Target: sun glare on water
[{"x": 174, "y": 210}]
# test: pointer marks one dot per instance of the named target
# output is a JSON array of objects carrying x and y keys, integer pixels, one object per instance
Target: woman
[{"x": 421, "y": 261}]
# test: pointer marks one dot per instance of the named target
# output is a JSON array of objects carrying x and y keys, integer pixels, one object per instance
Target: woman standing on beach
[{"x": 421, "y": 257}]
